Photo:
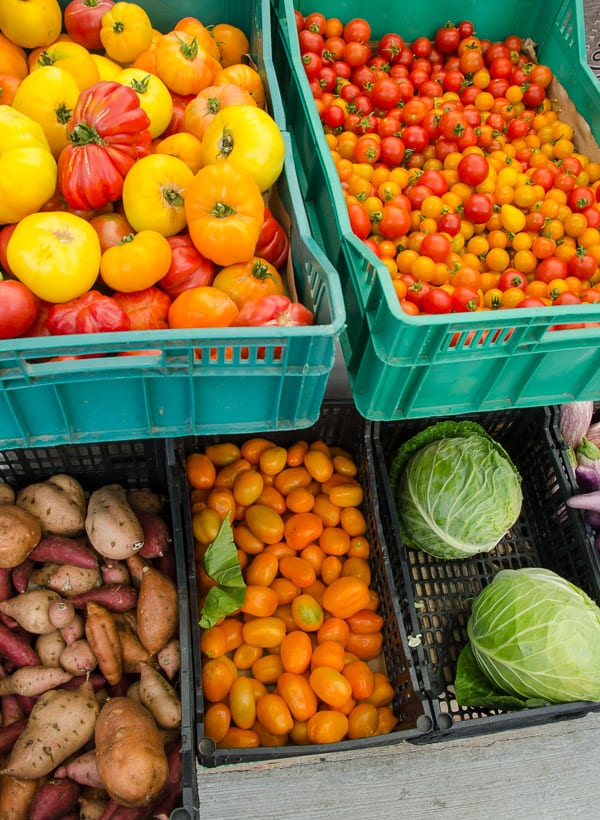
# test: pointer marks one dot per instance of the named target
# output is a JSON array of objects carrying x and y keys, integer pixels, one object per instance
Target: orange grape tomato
[
  {"x": 242, "y": 702},
  {"x": 353, "y": 521},
  {"x": 262, "y": 569},
  {"x": 327, "y": 726},
  {"x": 247, "y": 487},
  {"x": 222, "y": 500},
  {"x": 298, "y": 694},
  {"x": 359, "y": 567},
  {"x": 292, "y": 477},
  {"x": 245, "y": 655},
  {"x": 236, "y": 738},
  {"x": 363, "y": 721},
  {"x": 265, "y": 523},
  {"x": 260, "y": 600},
  {"x": 333, "y": 629},
  {"x": 299, "y": 571},
  {"x": 386, "y": 720},
  {"x": 268, "y": 738},
  {"x": 213, "y": 642},
  {"x": 271, "y": 497},
  {"x": 330, "y": 686},
  {"x": 253, "y": 447},
  {"x": 361, "y": 677},
  {"x": 329, "y": 513},
  {"x": 334, "y": 541},
  {"x": 314, "y": 555},
  {"x": 300, "y": 500},
  {"x": 217, "y": 678},
  {"x": 318, "y": 464},
  {"x": 205, "y": 525},
  {"x": 265, "y": 632},
  {"x": 284, "y": 611},
  {"x": 364, "y": 621},
  {"x": 346, "y": 495},
  {"x": 345, "y": 596},
  {"x": 272, "y": 460},
  {"x": 246, "y": 541},
  {"x": 274, "y": 714},
  {"x": 226, "y": 475},
  {"x": 296, "y": 651},
  {"x": 316, "y": 589},
  {"x": 328, "y": 653},
  {"x": 296, "y": 453},
  {"x": 345, "y": 465},
  {"x": 217, "y": 720},
  {"x": 200, "y": 471},
  {"x": 367, "y": 646},
  {"x": 383, "y": 692},
  {"x": 302, "y": 528},
  {"x": 222, "y": 453},
  {"x": 307, "y": 612},
  {"x": 285, "y": 590},
  {"x": 359, "y": 547},
  {"x": 331, "y": 569},
  {"x": 299, "y": 734},
  {"x": 233, "y": 632},
  {"x": 267, "y": 669}
]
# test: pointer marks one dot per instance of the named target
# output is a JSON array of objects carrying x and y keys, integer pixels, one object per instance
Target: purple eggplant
[{"x": 574, "y": 421}]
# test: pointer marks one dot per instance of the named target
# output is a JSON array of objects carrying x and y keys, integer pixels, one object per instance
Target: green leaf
[
  {"x": 472, "y": 687},
  {"x": 221, "y": 563}
]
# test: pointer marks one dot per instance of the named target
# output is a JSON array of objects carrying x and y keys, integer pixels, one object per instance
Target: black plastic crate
[
  {"x": 434, "y": 593},
  {"x": 338, "y": 425},
  {"x": 138, "y": 464}
]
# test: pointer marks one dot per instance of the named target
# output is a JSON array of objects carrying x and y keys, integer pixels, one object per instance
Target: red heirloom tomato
[
  {"x": 273, "y": 310},
  {"x": 273, "y": 243},
  {"x": 188, "y": 269},
  {"x": 91, "y": 313},
  {"x": 147, "y": 309},
  {"x": 18, "y": 308},
  {"x": 83, "y": 21},
  {"x": 249, "y": 280}
]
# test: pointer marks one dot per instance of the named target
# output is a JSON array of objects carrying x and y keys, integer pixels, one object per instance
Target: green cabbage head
[
  {"x": 537, "y": 636},
  {"x": 457, "y": 492}
]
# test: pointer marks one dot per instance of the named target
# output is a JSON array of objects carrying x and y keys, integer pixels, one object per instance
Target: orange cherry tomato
[
  {"x": 302, "y": 528},
  {"x": 298, "y": 694},
  {"x": 346, "y": 596},
  {"x": 327, "y": 726},
  {"x": 307, "y": 612},
  {"x": 274, "y": 714},
  {"x": 242, "y": 702},
  {"x": 330, "y": 686},
  {"x": 296, "y": 651}
]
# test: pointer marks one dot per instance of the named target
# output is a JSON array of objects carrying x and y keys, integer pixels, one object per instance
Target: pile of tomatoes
[
  {"x": 301, "y": 660},
  {"x": 456, "y": 171},
  {"x": 135, "y": 171}
]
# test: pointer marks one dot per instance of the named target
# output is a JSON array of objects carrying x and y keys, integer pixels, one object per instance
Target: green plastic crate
[
  {"x": 403, "y": 366},
  {"x": 183, "y": 381}
]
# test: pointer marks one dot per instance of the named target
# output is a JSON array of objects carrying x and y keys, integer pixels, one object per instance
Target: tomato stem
[
  {"x": 83, "y": 134},
  {"x": 225, "y": 143},
  {"x": 222, "y": 210}
]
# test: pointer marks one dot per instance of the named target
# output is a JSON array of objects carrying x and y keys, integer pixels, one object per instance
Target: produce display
[
  {"x": 89, "y": 652},
  {"x": 136, "y": 172},
  {"x": 534, "y": 637},
  {"x": 291, "y": 637},
  {"x": 456, "y": 490},
  {"x": 457, "y": 171}
]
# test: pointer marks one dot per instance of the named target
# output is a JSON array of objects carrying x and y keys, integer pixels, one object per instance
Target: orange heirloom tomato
[
  {"x": 74, "y": 58},
  {"x": 32, "y": 24},
  {"x": 126, "y": 32},
  {"x": 231, "y": 42},
  {"x": 225, "y": 210},
  {"x": 203, "y": 306},
  {"x": 182, "y": 145},
  {"x": 9, "y": 84},
  {"x": 183, "y": 65},
  {"x": 245, "y": 281},
  {"x": 201, "y": 111},
  {"x": 137, "y": 262},
  {"x": 193, "y": 26},
  {"x": 245, "y": 77},
  {"x": 13, "y": 58}
]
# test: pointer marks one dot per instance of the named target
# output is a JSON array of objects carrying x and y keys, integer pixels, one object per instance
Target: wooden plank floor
[{"x": 541, "y": 773}]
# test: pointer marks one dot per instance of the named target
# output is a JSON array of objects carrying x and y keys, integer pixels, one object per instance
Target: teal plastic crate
[
  {"x": 402, "y": 366},
  {"x": 183, "y": 381}
]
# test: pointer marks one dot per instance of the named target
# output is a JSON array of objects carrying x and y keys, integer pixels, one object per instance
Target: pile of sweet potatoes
[{"x": 89, "y": 654}]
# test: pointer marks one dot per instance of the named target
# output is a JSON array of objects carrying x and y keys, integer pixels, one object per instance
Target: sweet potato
[
  {"x": 136, "y": 565},
  {"x": 145, "y": 501},
  {"x": 78, "y": 658},
  {"x": 60, "y": 723},
  {"x": 9, "y": 734},
  {"x": 111, "y": 525},
  {"x": 30, "y": 610},
  {"x": 20, "y": 531},
  {"x": 103, "y": 638},
  {"x": 169, "y": 658},
  {"x": 74, "y": 630},
  {"x": 49, "y": 648},
  {"x": 21, "y": 574},
  {"x": 6, "y": 585},
  {"x": 33, "y": 680},
  {"x": 157, "y": 535},
  {"x": 64, "y": 550},
  {"x": 157, "y": 610},
  {"x": 115, "y": 597},
  {"x": 131, "y": 759},
  {"x": 70, "y": 581},
  {"x": 7, "y": 494},
  {"x": 55, "y": 799},
  {"x": 39, "y": 575},
  {"x": 115, "y": 572},
  {"x": 92, "y": 804},
  {"x": 58, "y": 503},
  {"x": 61, "y": 613},
  {"x": 133, "y": 653},
  {"x": 16, "y": 796},
  {"x": 16, "y": 648},
  {"x": 82, "y": 769},
  {"x": 159, "y": 697}
]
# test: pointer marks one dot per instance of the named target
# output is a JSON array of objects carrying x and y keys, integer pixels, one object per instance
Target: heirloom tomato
[
  {"x": 56, "y": 254},
  {"x": 188, "y": 269},
  {"x": 13, "y": 58},
  {"x": 137, "y": 262},
  {"x": 107, "y": 133},
  {"x": 271, "y": 311},
  {"x": 203, "y": 306},
  {"x": 48, "y": 96},
  {"x": 107, "y": 68},
  {"x": 182, "y": 64},
  {"x": 248, "y": 137},
  {"x": 31, "y": 24},
  {"x": 184, "y": 146},
  {"x": 18, "y": 308},
  {"x": 193, "y": 26},
  {"x": 147, "y": 309},
  {"x": 231, "y": 42},
  {"x": 125, "y": 32},
  {"x": 72, "y": 57},
  {"x": 27, "y": 167},
  {"x": 201, "y": 111},
  {"x": 245, "y": 77},
  {"x": 224, "y": 209},
  {"x": 83, "y": 21},
  {"x": 153, "y": 194},
  {"x": 245, "y": 281},
  {"x": 92, "y": 312},
  {"x": 273, "y": 243},
  {"x": 154, "y": 97}
]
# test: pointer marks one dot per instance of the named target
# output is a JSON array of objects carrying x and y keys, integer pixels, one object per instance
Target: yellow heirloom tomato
[
  {"x": 154, "y": 97},
  {"x": 56, "y": 254},
  {"x": 107, "y": 68},
  {"x": 31, "y": 24},
  {"x": 153, "y": 194},
  {"x": 137, "y": 262},
  {"x": 73, "y": 57},
  {"x": 248, "y": 137},
  {"x": 48, "y": 97},
  {"x": 126, "y": 31},
  {"x": 27, "y": 168}
]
